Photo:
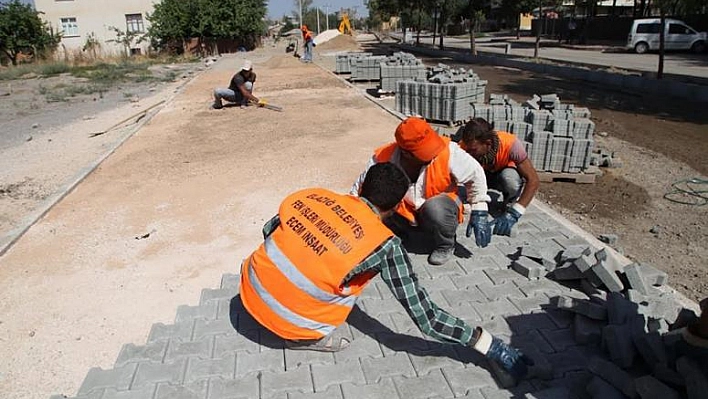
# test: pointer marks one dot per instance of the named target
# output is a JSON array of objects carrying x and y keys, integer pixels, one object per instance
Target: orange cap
[{"x": 416, "y": 136}]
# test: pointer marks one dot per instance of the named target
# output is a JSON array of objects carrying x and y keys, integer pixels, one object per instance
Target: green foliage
[
  {"x": 178, "y": 20},
  {"x": 54, "y": 68},
  {"x": 92, "y": 45},
  {"x": 21, "y": 30},
  {"x": 126, "y": 38}
]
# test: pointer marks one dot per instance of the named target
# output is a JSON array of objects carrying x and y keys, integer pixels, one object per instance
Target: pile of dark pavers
[{"x": 632, "y": 315}]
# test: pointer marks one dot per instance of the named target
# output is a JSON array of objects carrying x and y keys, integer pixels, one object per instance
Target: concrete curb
[
  {"x": 10, "y": 238},
  {"x": 634, "y": 83}
]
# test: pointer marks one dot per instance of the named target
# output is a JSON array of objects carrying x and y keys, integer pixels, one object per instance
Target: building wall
[{"x": 94, "y": 17}]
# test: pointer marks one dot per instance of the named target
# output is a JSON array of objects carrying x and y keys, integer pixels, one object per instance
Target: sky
[{"x": 278, "y": 8}]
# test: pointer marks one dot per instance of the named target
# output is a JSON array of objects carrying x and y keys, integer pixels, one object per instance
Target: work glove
[
  {"x": 482, "y": 227},
  {"x": 509, "y": 358},
  {"x": 262, "y": 103},
  {"x": 504, "y": 223}
]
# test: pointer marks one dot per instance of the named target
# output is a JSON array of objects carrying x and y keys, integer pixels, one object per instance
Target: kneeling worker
[
  {"x": 323, "y": 248},
  {"x": 240, "y": 90},
  {"x": 505, "y": 163}
]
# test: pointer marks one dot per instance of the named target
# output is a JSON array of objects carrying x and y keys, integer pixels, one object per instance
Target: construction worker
[
  {"x": 507, "y": 166},
  {"x": 435, "y": 166},
  {"x": 309, "y": 42},
  {"x": 322, "y": 249},
  {"x": 240, "y": 89}
]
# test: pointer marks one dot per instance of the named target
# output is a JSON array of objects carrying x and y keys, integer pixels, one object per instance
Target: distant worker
[
  {"x": 322, "y": 249},
  {"x": 309, "y": 41},
  {"x": 240, "y": 89},
  {"x": 435, "y": 166},
  {"x": 508, "y": 168}
]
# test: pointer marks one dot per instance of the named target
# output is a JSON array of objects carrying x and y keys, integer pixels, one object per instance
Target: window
[
  {"x": 678, "y": 29},
  {"x": 648, "y": 28},
  {"x": 69, "y": 26},
  {"x": 134, "y": 23}
]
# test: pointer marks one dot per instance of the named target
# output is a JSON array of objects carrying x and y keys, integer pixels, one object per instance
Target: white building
[{"x": 81, "y": 20}]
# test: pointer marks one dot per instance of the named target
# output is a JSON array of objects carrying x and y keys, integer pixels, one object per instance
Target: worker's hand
[
  {"x": 509, "y": 358},
  {"x": 481, "y": 226},
  {"x": 504, "y": 223},
  {"x": 262, "y": 103}
]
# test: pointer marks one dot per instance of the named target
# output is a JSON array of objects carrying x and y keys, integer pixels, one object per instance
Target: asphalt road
[{"x": 675, "y": 63}]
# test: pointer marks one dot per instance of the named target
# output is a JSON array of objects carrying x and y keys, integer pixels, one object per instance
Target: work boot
[{"x": 440, "y": 256}]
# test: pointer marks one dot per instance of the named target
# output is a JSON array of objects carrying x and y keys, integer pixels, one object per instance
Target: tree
[
  {"x": 21, "y": 30},
  {"x": 126, "y": 38}
]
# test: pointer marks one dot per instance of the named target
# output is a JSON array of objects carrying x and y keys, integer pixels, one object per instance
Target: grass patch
[{"x": 53, "y": 69}]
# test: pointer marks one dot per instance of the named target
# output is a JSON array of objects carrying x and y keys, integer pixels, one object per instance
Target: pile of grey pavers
[
  {"x": 400, "y": 66},
  {"x": 443, "y": 97},
  {"x": 344, "y": 61},
  {"x": 626, "y": 314},
  {"x": 367, "y": 68},
  {"x": 558, "y": 137}
]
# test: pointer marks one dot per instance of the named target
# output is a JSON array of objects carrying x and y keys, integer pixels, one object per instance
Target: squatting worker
[
  {"x": 240, "y": 89},
  {"x": 322, "y": 249},
  {"x": 435, "y": 165},
  {"x": 507, "y": 166}
]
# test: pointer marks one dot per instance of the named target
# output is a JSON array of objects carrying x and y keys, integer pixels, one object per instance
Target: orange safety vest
[
  {"x": 437, "y": 179},
  {"x": 306, "y": 35},
  {"x": 292, "y": 284},
  {"x": 501, "y": 161}
]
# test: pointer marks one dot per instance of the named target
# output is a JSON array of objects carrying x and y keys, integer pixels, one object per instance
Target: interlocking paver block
[
  {"x": 384, "y": 389},
  {"x": 567, "y": 271},
  {"x": 375, "y": 307},
  {"x": 164, "y": 332},
  {"x": 571, "y": 359},
  {"x": 524, "y": 323},
  {"x": 362, "y": 347},
  {"x": 573, "y": 252},
  {"x": 501, "y": 276},
  {"x": 209, "y": 294},
  {"x": 580, "y": 306},
  {"x": 531, "y": 341},
  {"x": 468, "y": 379},
  {"x": 463, "y": 296},
  {"x": 614, "y": 375},
  {"x": 619, "y": 309},
  {"x": 265, "y": 361},
  {"x": 494, "y": 292},
  {"x": 297, "y": 358},
  {"x": 396, "y": 364},
  {"x": 651, "y": 388},
  {"x": 584, "y": 263},
  {"x": 600, "y": 389},
  {"x": 595, "y": 294},
  {"x": 542, "y": 286},
  {"x": 696, "y": 379},
  {"x": 297, "y": 380},
  {"x": 229, "y": 280},
  {"x": 608, "y": 276},
  {"x": 648, "y": 344},
  {"x": 668, "y": 375},
  {"x": 587, "y": 330},
  {"x": 499, "y": 327},
  {"x": 224, "y": 344},
  {"x": 205, "y": 328},
  {"x": 530, "y": 304},
  {"x": 617, "y": 341},
  {"x": 635, "y": 278},
  {"x": 334, "y": 392},
  {"x": 178, "y": 349},
  {"x": 471, "y": 279},
  {"x": 494, "y": 309},
  {"x": 327, "y": 375},
  {"x": 199, "y": 369},
  {"x": 188, "y": 313},
  {"x": 560, "y": 339},
  {"x": 654, "y": 276},
  {"x": 197, "y": 390},
  {"x": 118, "y": 378},
  {"x": 531, "y": 251},
  {"x": 431, "y": 385},
  {"x": 246, "y": 388},
  {"x": 145, "y": 392},
  {"x": 527, "y": 267},
  {"x": 152, "y": 352}
]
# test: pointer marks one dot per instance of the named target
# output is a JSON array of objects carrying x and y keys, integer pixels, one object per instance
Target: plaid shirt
[{"x": 391, "y": 260}]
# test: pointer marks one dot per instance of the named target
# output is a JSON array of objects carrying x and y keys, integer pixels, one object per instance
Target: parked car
[{"x": 644, "y": 36}]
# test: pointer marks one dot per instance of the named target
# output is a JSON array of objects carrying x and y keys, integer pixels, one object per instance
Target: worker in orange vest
[
  {"x": 435, "y": 166},
  {"x": 322, "y": 249},
  {"x": 507, "y": 166},
  {"x": 309, "y": 43}
]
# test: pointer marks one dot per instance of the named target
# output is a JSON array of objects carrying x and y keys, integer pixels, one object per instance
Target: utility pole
[
  {"x": 300, "y": 14},
  {"x": 326, "y": 6},
  {"x": 318, "y": 20}
]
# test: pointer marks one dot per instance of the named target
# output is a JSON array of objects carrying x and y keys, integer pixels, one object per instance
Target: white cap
[{"x": 247, "y": 65}]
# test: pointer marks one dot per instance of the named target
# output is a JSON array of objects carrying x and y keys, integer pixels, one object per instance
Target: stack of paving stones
[
  {"x": 622, "y": 313},
  {"x": 558, "y": 137},
  {"x": 444, "y": 97},
  {"x": 344, "y": 61},
  {"x": 366, "y": 68},
  {"x": 215, "y": 350},
  {"x": 400, "y": 66}
]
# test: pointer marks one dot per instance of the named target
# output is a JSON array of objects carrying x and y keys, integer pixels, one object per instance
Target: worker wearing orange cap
[
  {"x": 435, "y": 165},
  {"x": 309, "y": 41}
]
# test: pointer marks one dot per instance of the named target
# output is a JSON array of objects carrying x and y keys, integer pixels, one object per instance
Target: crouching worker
[
  {"x": 323, "y": 248},
  {"x": 240, "y": 90},
  {"x": 507, "y": 167}
]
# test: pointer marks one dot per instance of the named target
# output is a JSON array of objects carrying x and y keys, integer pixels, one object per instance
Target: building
[{"x": 84, "y": 22}]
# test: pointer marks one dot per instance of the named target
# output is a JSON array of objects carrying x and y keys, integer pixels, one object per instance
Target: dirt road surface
[{"x": 183, "y": 201}]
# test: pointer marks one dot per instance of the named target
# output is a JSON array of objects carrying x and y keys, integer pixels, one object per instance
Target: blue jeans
[
  {"x": 231, "y": 96},
  {"x": 437, "y": 218},
  {"x": 507, "y": 181},
  {"x": 307, "y": 57}
]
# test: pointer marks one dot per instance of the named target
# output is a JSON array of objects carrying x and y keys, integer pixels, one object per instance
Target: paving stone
[
  {"x": 560, "y": 339},
  {"x": 617, "y": 341},
  {"x": 224, "y": 344},
  {"x": 573, "y": 252},
  {"x": 244, "y": 387},
  {"x": 366, "y": 325},
  {"x": 471, "y": 279},
  {"x": 587, "y": 330},
  {"x": 619, "y": 309},
  {"x": 524, "y": 323},
  {"x": 530, "y": 304},
  {"x": 229, "y": 280},
  {"x": 466, "y": 312},
  {"x": 480, "y": 263},
  {"x": 152, "y": 352},
  {"x": 608, "y": 277},
  {"x": 118, "y": 378},
  {"x": 439, "y": 283},
  {"x": 198, "y": 369},
  {"x": 614, "y": 375},
  {"x": 561, "y": 318},
  {"x": 327, "y": 375},
  {"x": 635, "y": 278},
  {"x": 541, "y": 368},
  {"x": 266, "y": 361},
  {"x": 542, "y": 286},
  {"x": 580, "y": 306},
  {"x": 567, "y": 271},
  {"x": 370, "y": 291},
  {"x": 648, "y": 344},
  {"x": 668, "y": 375},
  {"x": 498, "y": 326},
  {"x": 569, "y": 360},
  {"x": 163, "y": 332},
  {"x": 550, "y": 393},
  {"x": 494, "y": 292},
  {"x": 654, "y": 276},
  {"x": 494, "y": 309},
  {"x": 361, "y": 347},
  {"x": 431, "y": 385},
  {"x": 531, "y": 251},
  {"x": 511, "y": 393},
  {"x": 205, "y": 328},
  {"x": 584, "y": 263},
  {"x": 567, "y": 243},
  {"x": 145, "y": 392},
  {"x": 463, "y": 296},
  {"x": 191, "y": 391},
  {"x": 441, "y": 355},
  {"x": 298, "y": 380},
  {"x": 220, "y": 293},
  {"x": 533, "y": 340},
  {"x": 188, "y": 313},
  {"x": 594, "y": 294},
  {"x": 375, "y": 307},
  {"x": 334, "y": 392},
  {"x": 384, "y": 290},
  {"x": 468, "y": 379},
  {"x": 529, "y": 268},
  {"x": 296, "y": 358},
  {"x": 384, "y": 389},
  {"x": 649, "y": 387},
  {"x": 397, "y": 364},
  {"x": 696, "y": 379},
  {"x": 501, "y": 276},
  {"x": 600, "y": 389}
]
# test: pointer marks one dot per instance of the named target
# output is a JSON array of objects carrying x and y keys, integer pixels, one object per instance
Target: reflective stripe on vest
[
  {"x": 292, "y": 284},
  {"x": 437, "y": 179}
]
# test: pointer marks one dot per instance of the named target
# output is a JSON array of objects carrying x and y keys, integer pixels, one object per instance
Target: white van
[{"x": 644, "y": 36}]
